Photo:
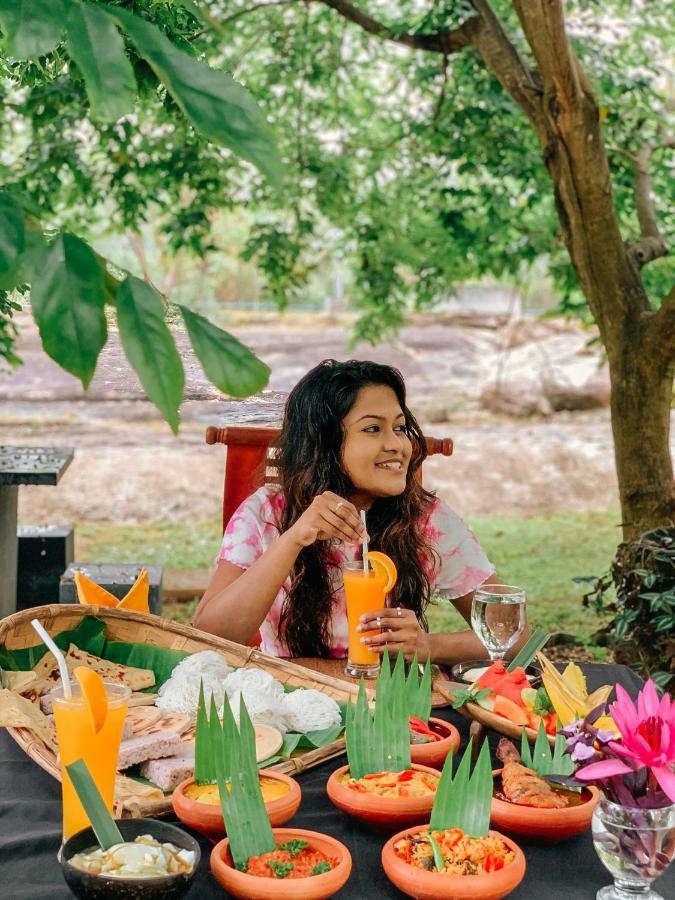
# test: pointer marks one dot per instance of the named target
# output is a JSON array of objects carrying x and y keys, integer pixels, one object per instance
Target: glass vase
[{"x": 635, "y": 846}]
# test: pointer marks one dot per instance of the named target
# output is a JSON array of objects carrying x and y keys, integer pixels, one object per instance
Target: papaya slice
[
  {"x": 510, "y": 710},
  {"x": 95, "y": 697},
  {"x": 92, "y": 594},
  {"x": 137, "y": 598}
]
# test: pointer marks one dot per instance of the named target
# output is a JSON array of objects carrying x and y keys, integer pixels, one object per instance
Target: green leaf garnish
[
  {"x": 524, "y": 657},
  {"x": 544, "y": 759},
  {"x": 106, "y": 831},
  {"x": 280, "y": 869},
  {"x": 542, "y": 703},
  {"x": 439, "y": 862},
  {"x": 418, "y": 690},
  {"x": 380, "y": 741},
  {"x": 321, "y": 867},
  {"x": 470, "y": 695},
  {"x": 293, "y": 847},
  {"x": 464, "y": 801}
]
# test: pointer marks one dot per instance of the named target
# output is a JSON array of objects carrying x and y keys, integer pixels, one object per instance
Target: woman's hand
[
  {"x": 328, "y": 516},
  {"x": 400, "y": 630}
]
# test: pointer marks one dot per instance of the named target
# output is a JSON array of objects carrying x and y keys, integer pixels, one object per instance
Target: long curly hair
[{"x": 309, "y": 463}]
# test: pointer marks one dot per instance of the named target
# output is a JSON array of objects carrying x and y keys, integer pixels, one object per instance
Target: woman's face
[{"x": 376, "y": 449}]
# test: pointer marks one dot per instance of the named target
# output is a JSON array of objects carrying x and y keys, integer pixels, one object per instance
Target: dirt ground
[{"x": 128, "y": 467}]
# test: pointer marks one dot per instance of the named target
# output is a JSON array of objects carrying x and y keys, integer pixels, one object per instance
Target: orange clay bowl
[
  {"x": 434, "y": 754},
  {"x": 253, "y": 887},
  {"x": 382, "y": 813},
  {"x": 431, "y": 885},
  {"x": 207, "y": 818},
  {"x": 546, "y": 826}
]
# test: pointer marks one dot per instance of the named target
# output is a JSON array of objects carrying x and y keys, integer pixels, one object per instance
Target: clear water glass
[
  {"x": 635, "y": 846},
  {"x": 498, "y": 617}
]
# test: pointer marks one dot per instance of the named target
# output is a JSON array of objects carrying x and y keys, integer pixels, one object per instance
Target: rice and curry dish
[
  {"x": 462, "y": 854},
  {"x": 408, "y": 783}
]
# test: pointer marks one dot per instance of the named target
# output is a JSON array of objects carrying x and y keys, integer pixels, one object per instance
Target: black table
[
  {"x": 21, "y": 465},
  {"x": 30, "y": 820}
]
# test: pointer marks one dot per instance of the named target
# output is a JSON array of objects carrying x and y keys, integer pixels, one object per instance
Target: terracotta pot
[
  {"x": 382, "y": 813},
  {"x": 545, "y": 825},
  {"x": 431, "y": 885},
  {"x": 207, "y": 818},
  {"x": 434, "y": 754},
  {"x": 241, "y": 884}
]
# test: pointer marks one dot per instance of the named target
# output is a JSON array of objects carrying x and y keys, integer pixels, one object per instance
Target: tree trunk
[{"x": 640, "y": 405}]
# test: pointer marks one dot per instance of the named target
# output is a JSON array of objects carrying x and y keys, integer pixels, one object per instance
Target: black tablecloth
[{"x": 30, "y": 833}]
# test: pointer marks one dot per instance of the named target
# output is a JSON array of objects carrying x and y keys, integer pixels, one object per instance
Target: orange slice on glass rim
[
  {"x": 383, "y": 565},
  {"x": 95, "y": 697}
]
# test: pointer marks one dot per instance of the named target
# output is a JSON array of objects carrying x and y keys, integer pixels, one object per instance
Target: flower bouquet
[{"x": 632, "y": 760}]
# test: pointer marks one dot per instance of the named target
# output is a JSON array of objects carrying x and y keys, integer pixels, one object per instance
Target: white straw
[
  {"x": 65, "y": 677},
  {"x": 365, "y": 541}
]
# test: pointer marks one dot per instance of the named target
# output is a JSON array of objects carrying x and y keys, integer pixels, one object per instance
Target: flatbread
[
  {"x": 142, "y": 717},
  {"x": 168, "y": 722},
  {"x": 268, "y": 740},
  {"x": 18, "y": 712},
  {"x": 136, "y": 679},
  {"x": 141, "y": 699}
]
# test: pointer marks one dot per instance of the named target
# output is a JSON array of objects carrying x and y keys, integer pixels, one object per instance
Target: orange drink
[
  {"x": 97, "y": 743},
  {"x": 365, "y": 592}
]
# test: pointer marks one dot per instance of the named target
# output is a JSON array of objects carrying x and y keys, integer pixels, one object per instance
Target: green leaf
[
  {"x": 12, "y": 241},
  {"x": 217, "y": 105},
  {"x": 291, "y": 741},
  {"x": 31, "y": 27},
  {"x": 96, "y": 45},
  {"x": 68, "y": 300},
  {"x": 204, "y": 767},
  {"x": 150, "y": 347},
  {"x": 537, "y": 640},
  {"x": 439, "y": 862},
  {"x": 228, "y": 364},
  {"x": 418, "y": 690},
  {"x": 465, "y": 800},
  {"x": 106, "y": 831},
  {"x": 544, "y": 759}
]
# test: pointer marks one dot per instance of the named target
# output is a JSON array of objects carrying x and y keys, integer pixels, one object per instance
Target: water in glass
[{"x": 498, "y": 617}]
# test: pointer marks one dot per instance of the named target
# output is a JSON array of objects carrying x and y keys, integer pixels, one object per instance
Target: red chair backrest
[{"x": 248, "y": 462}]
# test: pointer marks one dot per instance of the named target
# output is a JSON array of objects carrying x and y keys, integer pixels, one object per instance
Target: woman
[{"x": 348, "y": 443}]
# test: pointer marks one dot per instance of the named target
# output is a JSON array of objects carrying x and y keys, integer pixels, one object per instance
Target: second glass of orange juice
[
  {"x": 78, "y": 739},
  {"x": 364, "y": 593}
]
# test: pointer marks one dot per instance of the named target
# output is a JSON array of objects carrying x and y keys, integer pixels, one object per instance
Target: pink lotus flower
[{"x": 647, "y": 739}]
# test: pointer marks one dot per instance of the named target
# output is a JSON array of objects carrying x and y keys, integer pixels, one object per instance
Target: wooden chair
[{"x": 250, "y": 462}]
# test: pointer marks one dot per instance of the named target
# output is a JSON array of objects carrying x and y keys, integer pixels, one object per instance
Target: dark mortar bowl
[{"x": 99, "y": 887}]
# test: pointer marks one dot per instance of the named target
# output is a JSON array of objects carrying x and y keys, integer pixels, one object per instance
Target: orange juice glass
[
  {"x": 364, "y": 593},
  {"x": 78, "y": 740}
]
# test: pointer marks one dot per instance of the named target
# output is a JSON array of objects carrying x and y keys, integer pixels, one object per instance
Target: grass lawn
[{"x": 542, "y": 554}]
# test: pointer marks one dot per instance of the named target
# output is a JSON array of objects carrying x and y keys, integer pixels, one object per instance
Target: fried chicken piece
[{"x": 523, "y": 786}]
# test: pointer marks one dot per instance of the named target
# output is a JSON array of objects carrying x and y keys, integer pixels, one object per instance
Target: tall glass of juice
[
  {"x": 364, "y": 593},
  {"x": 78, "y": 739}
]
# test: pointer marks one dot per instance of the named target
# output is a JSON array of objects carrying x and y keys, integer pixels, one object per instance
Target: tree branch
[
  {"x": 445, "y": 42},
  {"x": 660, "y": 336},
  {"x": 652, "y": 244},
  {"x": 250, "y": 9}
]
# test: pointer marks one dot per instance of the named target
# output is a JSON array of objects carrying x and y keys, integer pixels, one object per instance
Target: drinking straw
[
  {"x": 63, "y": 668},
  {"x": 365, "y": 541}
]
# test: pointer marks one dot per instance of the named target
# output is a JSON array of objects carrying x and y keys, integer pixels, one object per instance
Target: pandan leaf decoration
[
  {"x": 544, "y": 759},
  {"x": 464, "y": 800},
  {"x": 246, "y": 820},
  {"x": 524, "y": 657},
  {"x": 418, "y": 690},
  {"x": 205, "y": 772},
  {"x": 379, "y": 741},
  {"x": 104, "y": 826}
]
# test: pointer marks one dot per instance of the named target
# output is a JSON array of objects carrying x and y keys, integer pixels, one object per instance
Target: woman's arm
[{"x": 237, "y": 600}]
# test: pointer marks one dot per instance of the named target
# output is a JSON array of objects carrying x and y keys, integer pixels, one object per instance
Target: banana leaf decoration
[
  {"x": 544, "y": 759},
  {"x": 464, "y": 800},
  {"x": 379, "y": 741}
]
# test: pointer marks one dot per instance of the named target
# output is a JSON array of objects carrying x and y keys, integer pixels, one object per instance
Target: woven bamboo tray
[{"x": 16, "y": 633}]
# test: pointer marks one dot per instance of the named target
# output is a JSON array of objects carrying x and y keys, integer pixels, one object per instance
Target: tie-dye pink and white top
[{"x": 251, "y": 530}]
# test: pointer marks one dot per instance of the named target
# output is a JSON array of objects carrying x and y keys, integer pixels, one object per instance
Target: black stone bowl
[
  {"x": 533, "y": 671},
  {"x": 100, "y": 887}
]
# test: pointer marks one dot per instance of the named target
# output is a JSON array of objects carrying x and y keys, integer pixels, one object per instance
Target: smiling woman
[{"x": 349, "y": 446}]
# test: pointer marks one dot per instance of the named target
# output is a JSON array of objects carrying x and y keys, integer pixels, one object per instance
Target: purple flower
[{"x": 582, "y": 752}]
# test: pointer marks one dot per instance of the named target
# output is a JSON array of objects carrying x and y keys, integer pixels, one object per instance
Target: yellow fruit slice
[
  {"x": 90, "y": 593},
  {"x": 95, "y": 697},
  {"x": 383, "y": 565},
  {"x": 137, "y": 598},
  {"x": 529, "y": 697}
]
